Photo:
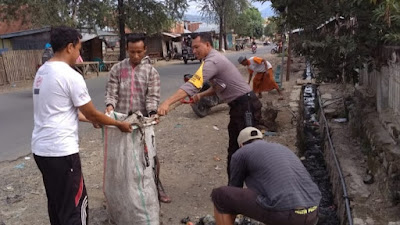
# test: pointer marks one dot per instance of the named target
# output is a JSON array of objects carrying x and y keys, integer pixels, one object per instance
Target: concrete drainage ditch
[{"x": 311, "y": 145}]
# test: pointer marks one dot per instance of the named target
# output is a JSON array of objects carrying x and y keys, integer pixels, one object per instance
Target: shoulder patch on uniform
[{"x": 197, "y": 79}]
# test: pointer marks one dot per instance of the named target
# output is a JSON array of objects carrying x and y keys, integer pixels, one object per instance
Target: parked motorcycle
[
  {"x": 204, "y": 105},
  {"x": 275, "y": 49}
]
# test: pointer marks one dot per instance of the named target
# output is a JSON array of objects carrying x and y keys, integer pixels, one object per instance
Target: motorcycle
[
  {"x": 275, "y": 49},
  {"x": 254, "y": 49},
  {"x": 203, "y": 106}
]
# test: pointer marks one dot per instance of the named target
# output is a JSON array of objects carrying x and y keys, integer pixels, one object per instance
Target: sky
[{"x": 194, "y": 10}]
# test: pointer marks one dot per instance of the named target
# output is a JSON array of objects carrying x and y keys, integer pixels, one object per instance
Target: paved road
[{"x": 16, "y": 116}]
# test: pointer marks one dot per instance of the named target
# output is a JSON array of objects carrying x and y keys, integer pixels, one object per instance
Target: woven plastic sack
[{"x": 129, "y": 175}]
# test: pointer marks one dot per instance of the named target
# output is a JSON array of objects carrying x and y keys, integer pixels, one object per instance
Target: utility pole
[
  {"x": 121, "y": 23},
  {"x": 289, "y": 59},
  {"x": 283, "y": 48}
]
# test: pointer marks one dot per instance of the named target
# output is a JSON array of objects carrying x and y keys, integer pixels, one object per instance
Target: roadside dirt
[{"x": 193, "y": 162}]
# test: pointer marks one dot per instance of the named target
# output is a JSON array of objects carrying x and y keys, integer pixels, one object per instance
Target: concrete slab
[
  {"x": 326, "y": 96},
  {"x": 301, "y": 81}
]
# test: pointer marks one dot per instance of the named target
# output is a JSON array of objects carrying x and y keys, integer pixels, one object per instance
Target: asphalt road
[{"x": 16, "y": 111}]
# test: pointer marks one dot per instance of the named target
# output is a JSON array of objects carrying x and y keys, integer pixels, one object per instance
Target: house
[
  {"x": 159, "y": 44},
  {"x": 12, "y": 26},
  {"x": 32, "y": 39},
  {"x": 92, "y": 47}
]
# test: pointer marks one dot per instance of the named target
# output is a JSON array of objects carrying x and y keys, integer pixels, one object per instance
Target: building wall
[
  {"x": 178, "y": 28},
  {"x": 192, "y": 27},
  {"x": 5, "y": 44},
  {"x": 155, "y": 46},
  {"x": 92, "y": 49}
]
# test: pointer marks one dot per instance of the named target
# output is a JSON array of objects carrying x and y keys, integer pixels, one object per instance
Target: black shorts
[
  {"x": 233, "y": 200},
  {"x": 67, "y": 200}
]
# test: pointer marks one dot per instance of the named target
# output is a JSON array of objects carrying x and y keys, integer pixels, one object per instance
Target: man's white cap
[{"x": 249, "y": 133}]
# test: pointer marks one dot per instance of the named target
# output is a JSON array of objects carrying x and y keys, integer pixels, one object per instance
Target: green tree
[
  {"x": 271, "y": 28},
  {"x": 74, "y": 13},
  {"x": 249, "y": 23},
  {"x": 341, "y": 36},
  {"x": 148, "y": 16},
  {"x": 222, "y": 12}
]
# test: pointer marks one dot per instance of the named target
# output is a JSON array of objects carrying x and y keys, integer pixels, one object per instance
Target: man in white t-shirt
[{"x": 58, "y": 93}]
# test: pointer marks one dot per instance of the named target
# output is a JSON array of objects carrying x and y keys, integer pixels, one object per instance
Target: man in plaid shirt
[
  {"x": 142, "y": 93},
  {"x": 134, "y": 85}
]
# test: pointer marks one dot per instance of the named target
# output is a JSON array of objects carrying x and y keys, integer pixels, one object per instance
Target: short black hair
[
  {"x": 60, "y": 37},
  {"x": 133, "y": 38},
  {"x": 204, "y": 37}
]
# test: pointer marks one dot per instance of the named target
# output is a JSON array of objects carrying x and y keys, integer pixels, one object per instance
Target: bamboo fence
[{"x": 19, "y": 65}]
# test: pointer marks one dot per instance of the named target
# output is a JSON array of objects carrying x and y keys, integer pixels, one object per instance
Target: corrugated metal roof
[
  {"x": 171, "y": 34},
  {"x": 87, "y": 37},
  {"x": 207, "y": 28},
  {"x": 106, "y": 33},
  {"x": 25, "y": 32}
]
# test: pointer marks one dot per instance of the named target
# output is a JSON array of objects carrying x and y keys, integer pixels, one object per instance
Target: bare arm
[
  {"x": 250, "y": 76},
  {"x": 265, "y": 64},
  {"x": 91, "y": 114},
  {"x": 164, "y": 107},
  {"x": 82, "y": 117}
]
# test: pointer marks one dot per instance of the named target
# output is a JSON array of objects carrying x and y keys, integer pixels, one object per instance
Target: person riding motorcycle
[{"x": 253, "y": 46}]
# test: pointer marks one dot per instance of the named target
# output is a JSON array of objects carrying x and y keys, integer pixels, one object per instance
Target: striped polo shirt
[{"x": 276, "y": 174}]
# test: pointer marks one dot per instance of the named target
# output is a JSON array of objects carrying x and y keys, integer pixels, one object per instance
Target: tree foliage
[
  {"x": 340, "y": 37},
  {"x": 272, "y": 27},
  {"x": 223, "y": 12},
  {"x": 75, "y": 13},
  {"x": 147, "y": 16},
  {"x": 249, "y": 23}
]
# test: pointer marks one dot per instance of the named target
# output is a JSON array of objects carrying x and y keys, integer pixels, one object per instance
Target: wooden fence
[
  {"x": 3, "y": 78},
  {"x": 384, "y": 84},
  {"x": 20, "y": 65},
  {"x": 394, "y": 88}
]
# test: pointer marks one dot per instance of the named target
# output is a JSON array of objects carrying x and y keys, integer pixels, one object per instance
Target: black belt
[{"x": 242, "y": 99}]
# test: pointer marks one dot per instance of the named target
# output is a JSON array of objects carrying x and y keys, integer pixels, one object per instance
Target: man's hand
[
  {"x": 109, "y": 109},
  {"x": 125, "y": 127},
  {"x": 165, "y": 106},
  {"x": 163, "y": 109},
  {"x": 96, "y": 125},
  {"x": 196, "y": 97},
  {"x": 155, "y": 117}
]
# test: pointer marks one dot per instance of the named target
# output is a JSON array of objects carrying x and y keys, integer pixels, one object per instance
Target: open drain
[{"x": 311, "y": 148}]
